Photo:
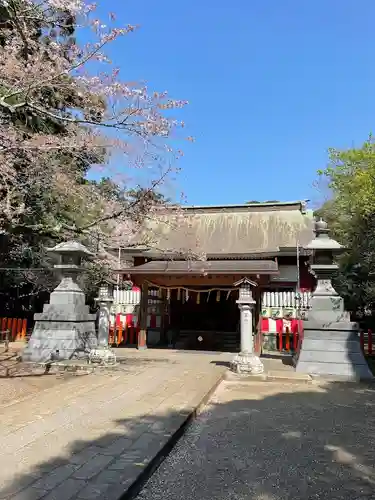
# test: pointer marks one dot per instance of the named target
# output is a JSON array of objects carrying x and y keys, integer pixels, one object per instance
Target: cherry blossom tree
[
  {"x": 60, "y": 99},
  {"x": 64, "y": 107}
]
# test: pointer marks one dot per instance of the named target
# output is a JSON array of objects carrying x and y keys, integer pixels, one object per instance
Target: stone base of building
[
  {"x": 332, "y": 350},
  {"x": 247, "y": 363},
  {"x": 60, "y": 340}
]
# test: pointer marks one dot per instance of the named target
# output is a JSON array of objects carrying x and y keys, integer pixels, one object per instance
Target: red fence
[
  {"x": 288, "y": 341},
  {"x": 13, "y": 329},
  {"x": 121, "y": 334},
  {"x": 367, "y": 342}
]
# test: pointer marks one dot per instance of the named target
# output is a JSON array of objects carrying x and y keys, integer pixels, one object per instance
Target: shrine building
[{"x": 185, "y": 268}]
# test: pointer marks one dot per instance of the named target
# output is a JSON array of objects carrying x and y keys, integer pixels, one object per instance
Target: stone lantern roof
[
  {"x": 322, "y": 240},
  {"x": 71, "y": 247}
]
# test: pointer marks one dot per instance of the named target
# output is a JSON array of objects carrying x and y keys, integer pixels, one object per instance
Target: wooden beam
[
  {"x": 163, "y": 325},
  {"x": 142, "y": 335}
]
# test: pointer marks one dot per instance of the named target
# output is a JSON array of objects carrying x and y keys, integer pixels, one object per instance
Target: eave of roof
[
  {"x": 240, "y": 267},
  {"x": 277, "y": 205}
]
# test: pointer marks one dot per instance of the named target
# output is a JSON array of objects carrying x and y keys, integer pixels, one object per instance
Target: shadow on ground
[
  {"x": 257, "y": 441},
  {"x": 263, "y": 442}
]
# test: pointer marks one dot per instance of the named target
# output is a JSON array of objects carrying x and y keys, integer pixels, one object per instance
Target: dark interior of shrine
[{"x": 216, "y": 311}]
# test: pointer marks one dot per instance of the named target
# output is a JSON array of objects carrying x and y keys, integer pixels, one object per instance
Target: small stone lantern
[
  {"x": 103, "y": 354},
  {"x": 246, "y": 362}
]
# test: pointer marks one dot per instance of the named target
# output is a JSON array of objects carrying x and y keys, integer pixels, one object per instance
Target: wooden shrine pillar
[
  {"x": 163, "y": 318},
  {"x": 143, "y": 310}
]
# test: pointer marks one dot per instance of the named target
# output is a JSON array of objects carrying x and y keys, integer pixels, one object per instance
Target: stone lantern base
[
  {"x": 60, "y": 340},
  {"x": 247, "y": 363},
  {"x": 332, "y": 349},
  {"x": 65, "y": 329}
]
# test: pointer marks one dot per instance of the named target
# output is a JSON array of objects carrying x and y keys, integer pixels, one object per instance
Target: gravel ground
[{"x": 263, "y": 441}]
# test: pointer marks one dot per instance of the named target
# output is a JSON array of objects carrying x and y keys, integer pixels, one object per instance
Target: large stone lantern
[
  {"x": 330, "y": 343},
  {"x": 65, "y": 329},
  {"x": 323, "y": 267}
]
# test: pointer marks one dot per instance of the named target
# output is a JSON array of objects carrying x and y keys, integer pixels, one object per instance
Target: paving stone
[
  {"x": 108, "y": 439},
  {"x": 144, "y": 441},
  {"x": 16, "y": 484},
  {"x": 79, "y": 425},
  {"x": 122, "y": 465},
  {"x": 93, "y": 467},
  {"x": 29, "y": 494},
  {"x": 110, "y": 476},
  {"x": 118, "y": 447},
  {"x": 150, "y": 444},
  {"x": 67, "y": 490},
  {"x": 117, "y": 490},
  {"x": 54, "y": 478},
  {"x": 85, "y": 455},
  {"x": 92, "y": 491}
]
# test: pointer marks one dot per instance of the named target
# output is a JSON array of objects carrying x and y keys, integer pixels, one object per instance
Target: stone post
[
  {"x": 104, "y": 301},
  {"x": 246, "y": 362},
  {"x": 330, "y": 343},
  {"x": 103, "y": 354}
]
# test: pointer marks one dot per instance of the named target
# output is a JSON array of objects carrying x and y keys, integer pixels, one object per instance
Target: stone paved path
[
  {"x": 269, "y": 441},
  {"x": 90, "y": 436},
  {"x": 18, "y": 381}
]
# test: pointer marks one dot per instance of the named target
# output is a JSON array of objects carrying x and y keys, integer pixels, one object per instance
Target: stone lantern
[
  {"x": 330, "y": 343},
  {"x": 246, "y": 362},
  {"x": 65, "y": 329},
  {"x": 323, "y": 267}
]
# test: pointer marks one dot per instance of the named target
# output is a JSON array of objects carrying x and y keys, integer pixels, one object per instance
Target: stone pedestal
[
  {"x": 65, "y": 329},
  {"x": 330, "y": 343},
  {"x": 246, "y": 362},
  {"x": 332, "y": 350}
]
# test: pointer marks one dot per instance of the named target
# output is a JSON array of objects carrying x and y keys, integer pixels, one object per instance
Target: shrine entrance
[
  {"x": 197, "y": 308},
  {"x": 205, "y": 319}
]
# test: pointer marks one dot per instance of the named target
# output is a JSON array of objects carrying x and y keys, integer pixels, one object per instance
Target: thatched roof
[{"x": 229, "y": 230}]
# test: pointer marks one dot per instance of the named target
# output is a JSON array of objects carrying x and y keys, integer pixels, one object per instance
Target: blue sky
[{"x": 271, "y": 84}]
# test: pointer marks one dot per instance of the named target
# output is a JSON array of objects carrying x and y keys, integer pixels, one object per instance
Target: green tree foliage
[{"x": 350, "y": 214}]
